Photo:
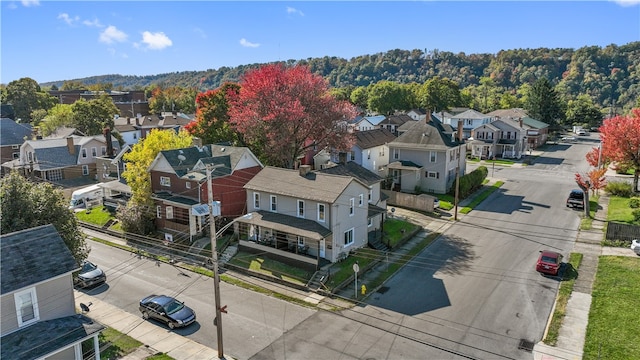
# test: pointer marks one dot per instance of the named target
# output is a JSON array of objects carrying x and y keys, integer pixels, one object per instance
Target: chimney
[
  {"x": 107, "y": 136},
  {"x": 520, "y": 121},
  {"x": 304, "y": 170},
  {"x": 459, "y": 130},
  {"x": 70, "y": 146}
]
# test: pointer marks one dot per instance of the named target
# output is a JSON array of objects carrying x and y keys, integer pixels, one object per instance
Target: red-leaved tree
[
  {"x": 597, "y": 180},
  {"x": 212, "y": 116},
  {"x": 585, "y": 184},
  {"x": 621, "y": 141},
  {"x": 284, "y": 111}
]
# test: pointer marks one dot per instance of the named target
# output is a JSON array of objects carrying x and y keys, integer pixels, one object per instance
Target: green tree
[
  {"x": 26, "y": 96},
  {"x": 58, "y": 116},
  {"x": 26, "y": 204},
  {"x": 386, "y": 97},
  {"x": 582, "y": 111},
  {"x": 439, "y": 94},
  {"x": 544, "y": 104},
  {"x": 509, "y": 101},
  {"x": 37, "y": 115},
  {"x": 91, "y": 117},
  {"x": 359, "y": 97},
  {"x": 73, "y": 85}
]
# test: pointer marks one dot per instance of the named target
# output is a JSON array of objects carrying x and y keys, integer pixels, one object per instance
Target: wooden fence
[{"x": 619, "y": 231}]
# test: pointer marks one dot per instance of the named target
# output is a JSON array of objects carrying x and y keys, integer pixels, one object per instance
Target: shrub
[
  {"x": 470, "y": 182},
  {"x": 636, "y": 215},
  {"x": 619, "y": 188},
  {"x": 634, "y": 202}
]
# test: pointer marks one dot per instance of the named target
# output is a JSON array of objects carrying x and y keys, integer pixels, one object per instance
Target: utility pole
[
  {"x": 455, "y": 215},
  {"x": 214, "y": 256}
]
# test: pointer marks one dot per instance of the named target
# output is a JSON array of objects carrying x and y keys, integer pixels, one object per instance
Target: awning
[
  {"x": 287, "y": 224},
  {"x": 404, "y": 165}
]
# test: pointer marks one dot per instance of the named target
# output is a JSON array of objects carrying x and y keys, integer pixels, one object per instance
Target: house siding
[{"x": 342, "y": 221}]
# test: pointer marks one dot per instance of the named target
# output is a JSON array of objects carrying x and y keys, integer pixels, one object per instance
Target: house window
[
  {"x": 348, "y": 237},
  {"x": 27, "y": 307},
  {"x": 16, "y": 155},
  {"x": 382, "y": 151},
  {"x": 169, "y": 211},
  {"x": 84, "y": 153},
  {"x": 85, "y": 170},
  {"x": 361, "y": 200},
  {"x": 274, "y": 203},
  {"x": 300, "y": 240},
  {"x": 352, "y": 155},
  {"x": 370, "y": 223},
  {"x": 165, "y": 181},
  {"x": 369, "y": 154},
  {"x": 300, "y": 208},
  {"x": 30, "y": 156},
  {"x": 351, "y": 206},
  {"x": 370, "y": 195},
  {"x": 159, "y": 212},
  {"x": 187, "y": 184},
  {"x": 433, "y": 174},
  {"x": 256, "y": 200},
  {"x": 94, "y": 152},
  {"x": 321, "y": 214},
  {"x": 396, "y": 154},
  {"x": 15, "y": 147},
  {"x": 135, "y": 136},
  {"x": 432, "y": 156},
  {"x": 508, "y": 134},
  {"x": 103, "y": 150}
]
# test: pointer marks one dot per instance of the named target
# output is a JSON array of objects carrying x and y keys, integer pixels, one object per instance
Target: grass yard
[
  {"x": 261, "y": 264},
  {"x": 619, "y": 210},
  {"x": 343, "y": 270},
  {"x": 612, "y": 332},
  {"x": 113, "y": 344},
  {"x": 97, "y": 216},
  {"x": 395, "y": 229}
]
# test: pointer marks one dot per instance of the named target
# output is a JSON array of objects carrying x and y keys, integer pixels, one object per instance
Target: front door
[{"x": 321, "y": 248}]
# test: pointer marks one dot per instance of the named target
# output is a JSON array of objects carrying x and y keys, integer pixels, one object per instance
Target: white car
[
  {"x": 635, "y": 246},
  {"x": 568, "y": 139},
  {"x": 581, "y": 132}
]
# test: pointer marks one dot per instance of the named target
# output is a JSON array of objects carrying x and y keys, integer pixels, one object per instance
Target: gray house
[
  {"x": 424, "y": 158},
  {"x": 12, "y": 135},
  {"x": 39, "y": 319}
]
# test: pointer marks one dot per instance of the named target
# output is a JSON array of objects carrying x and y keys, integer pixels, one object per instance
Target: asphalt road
[{"x": 253, "y": 320}]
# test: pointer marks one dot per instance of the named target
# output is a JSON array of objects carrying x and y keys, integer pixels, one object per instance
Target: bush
[
  {"x": 636, "y": 215},
  {"x": 471, "y": 182},
  {"x": 634, "y": 202},
  {"x": 619, "y": 188}
]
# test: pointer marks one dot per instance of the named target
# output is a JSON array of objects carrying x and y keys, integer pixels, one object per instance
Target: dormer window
[{"x": 27, "y": 307}]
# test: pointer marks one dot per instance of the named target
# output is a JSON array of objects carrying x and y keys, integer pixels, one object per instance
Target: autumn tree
[
  {"x": 92, "y": 116},
  {"x": 26, "y": 204},
  {"x": 212, "y": 116},
  {"x": 620, "y": 141},
  {"x": 173, "y": 98},
  {"x": 284, "y": 111}
]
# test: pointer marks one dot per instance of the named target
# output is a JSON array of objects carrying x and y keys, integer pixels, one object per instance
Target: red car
[{"x": 549, "y": 262}]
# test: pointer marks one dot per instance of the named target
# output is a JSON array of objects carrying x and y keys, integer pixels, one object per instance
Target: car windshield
[
  {"x": 576, "y": 195},
  {"x": 548, "y": 259},
  {"x": 173, "y": 306},
  {"x": 86, "y": 267}
]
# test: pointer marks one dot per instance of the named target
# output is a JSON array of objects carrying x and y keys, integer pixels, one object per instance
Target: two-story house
[
  {"x": 417, "y": 114},
  {"x": 370, "y": 150},
  {"x": 425, "y": 158},
  {"x": 537, "y": 132},
  {"x": 304, "y": 216},
  {"x": 470, "y": 120},
  {"x": 39, "y": 318},
  {"x": 12, "y": 135},
  {"x": 55, "y": 159},
  {"x": 393, "y": 122},
  {"x": 499, "y": 139},
  {"x": 180, "y": 189}
]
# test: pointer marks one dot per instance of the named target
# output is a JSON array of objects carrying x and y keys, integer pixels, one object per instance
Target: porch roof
[
  {"x": 288, "y": 224},
  {"x": 404, "y": 165},
  {"x": 176, "y": 199},
  {"x": 375, "y": 210}
]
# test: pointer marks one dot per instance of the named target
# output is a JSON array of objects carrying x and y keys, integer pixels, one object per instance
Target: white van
[{"x": 81, "y": 197}]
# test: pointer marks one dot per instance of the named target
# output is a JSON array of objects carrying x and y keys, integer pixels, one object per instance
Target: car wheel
[
  {"x": 145, "y": 315},
  {"x": 171, "y": 325}
]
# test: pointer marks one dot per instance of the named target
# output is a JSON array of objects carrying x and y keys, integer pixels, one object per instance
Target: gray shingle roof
[
  {"x": 183, "y": 160},
  {"x": 353, "y": 169},
  {"x": 372, "y": 138},
  {"x": 287, "y": 223},
  {"x": 314, "y": 186},
  {"x": 12, "y": 133},
  {"x": 430, "y": 136},
  {"x": 33, "y": 255},
  {"x": 44, "y": 337}
]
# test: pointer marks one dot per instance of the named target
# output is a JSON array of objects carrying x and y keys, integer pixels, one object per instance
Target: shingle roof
[
  {"x": 375, "y": 120},
  {"x": 396, "y": 120},
  {"x": 513, "y": 113},
  {"x": 33, "y": 255},
  {"x": 12, "y": 133},
  {"x": 44, "y": 337},
  {"x": 183, "y": 160},
  {"x": 372, "y": 138},
  {"x": 470, "y": 114},
  {"x": 314, "y": 186},
  {"x": 353, "y": 169},
  {"x": 287, "y": 223},
  {"x": 425, "y": 135}
]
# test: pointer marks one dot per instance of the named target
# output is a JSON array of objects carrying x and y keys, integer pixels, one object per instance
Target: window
[
  {"x": 15, "y": 147},
  {"x": 433, "y": 175},
  {"x": 274, "y": 203},
  {"x": 351, "y": 206},
  {"x": 352, "y": 155},
  {"x": 348, "y": 237},
  {"x": 369, "y": 154},
  {"x": 159, "y": 212},
  {"x": 27, "y": 307},
  {"x": 432, "y": 156},
  {"x": 370, "y": 195},
  {"x": 30, "y": 156},
  {"x": 16, "y": 155},
  {"x": 165, "y": 181},
  {"x": 361, "y": 200},
  {"x": 396, "y": 154},
  {"x": 187, "y": 185},
  {"x": 256, "y": 200},
  {"x": 94, "y": 152},
  {"x": 103, "y": 150},
  {"x": 382, "y": 151},
  {"x": 300, "y": 208},
  {"x": 321, "y": 215},
  {"x": 169, "y": 211},
  {"x": 84, "y": 153},
  {"x": 300, "y": 240},
  {"x": 370, "y": 223},
  {"x": 85, "y": 170}
]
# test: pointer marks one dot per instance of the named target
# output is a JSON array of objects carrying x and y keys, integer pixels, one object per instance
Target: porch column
[{"x": 96, "y": 346}]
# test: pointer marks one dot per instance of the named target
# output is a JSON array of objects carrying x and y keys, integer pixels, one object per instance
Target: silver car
[
  {"x": 635, "y": 246},
  {"x": 89, "y": 275}
]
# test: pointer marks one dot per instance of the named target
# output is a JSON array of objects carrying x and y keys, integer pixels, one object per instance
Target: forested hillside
[{"x": 601, "y": 73}]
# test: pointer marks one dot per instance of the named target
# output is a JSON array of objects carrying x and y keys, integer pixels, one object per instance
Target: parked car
[
  {"x": 168, "y": 310},
  {"x": 549, "y": 262},
  {"x": 576, "y": 199},
  {"x": 635, "y": 246},
  {"x": 582, "y": 132},
  {"x": 89, "y": 275},
  {"x": 568, "y": 139}
]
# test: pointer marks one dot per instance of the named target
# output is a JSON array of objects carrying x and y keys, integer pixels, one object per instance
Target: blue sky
[{"x": 64, "y": 40}]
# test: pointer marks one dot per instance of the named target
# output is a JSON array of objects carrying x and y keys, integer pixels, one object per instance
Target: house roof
[
  {"x": 353, "y": 169},
  {"x": 31, "y": 256},
  {"x": 63, "y": 132},
  {"x": 54, "y": 153},
  {"x": 470, "y": 114},
  {"x": 396, "y": 120},
  {"x": 371, "y": 138},
  {"x": 236, "y": 153},
  {"x": 289, "y": 224},
  {"x": 513, "y": 113},
  {"x": 183, "y": 160},
  {"x": 428, "y": 135},
  {"x": 315, "y": 186},
  {"x": 536, "y": 124},
  {"x": 419, "y": 111},
  {"x": 44, "y": 337},
  {"x": 12, "y": 133},
  {"x": 375, "y": 120}
]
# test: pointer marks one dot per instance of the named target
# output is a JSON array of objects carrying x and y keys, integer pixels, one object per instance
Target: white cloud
[
  {"x": 627, "y": 3},
  {"x": 244, "y": 42},
  {"x": 111, "y": 34},
  {"x": 156, "y": 41},
  {"x": 200, "y": 32},
  {"x": 291, "y": 10},
  {"x": 68, "y": 19},
  {"x": 29, "y": 3},
  {"x": 94, "y": 23}
]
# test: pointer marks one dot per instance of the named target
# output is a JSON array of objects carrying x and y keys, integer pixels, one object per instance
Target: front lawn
[
  {"x": 343, "y": 270},
  {"x": 619, "y": 210},
  {"x": 395, "y": 230},
  {"x": 97, "y": 216},
  {"x": 113, "y": 344},
  {"x": 612, "y": 332},
  {"x": 264, "y": 265}
]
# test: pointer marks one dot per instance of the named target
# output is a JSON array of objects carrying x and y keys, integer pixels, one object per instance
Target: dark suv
[{"x": 576, "y": 199}]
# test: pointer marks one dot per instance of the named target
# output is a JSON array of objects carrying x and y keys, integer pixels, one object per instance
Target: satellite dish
[{"x": 181, "y": 157}]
